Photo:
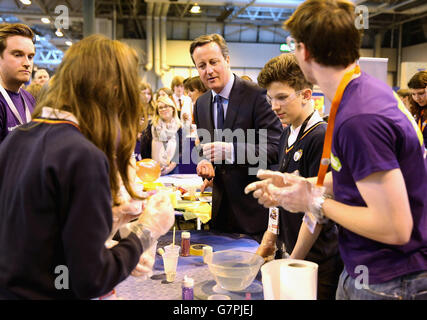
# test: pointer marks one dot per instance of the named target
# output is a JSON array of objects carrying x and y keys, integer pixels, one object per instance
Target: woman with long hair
[{"x": 60, "y": 187}]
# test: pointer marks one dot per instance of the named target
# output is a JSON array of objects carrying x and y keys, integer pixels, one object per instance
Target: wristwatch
[{"x": 317, "y": 211}]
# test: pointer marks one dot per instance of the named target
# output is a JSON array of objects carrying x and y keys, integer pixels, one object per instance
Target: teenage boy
[
  {"x": 379, "y": 168},
  {"x": 300, "y": 148}
]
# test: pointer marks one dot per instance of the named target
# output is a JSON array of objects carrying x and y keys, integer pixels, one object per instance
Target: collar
[
  {"x": 225, "y": 92},
  {"x": 52, "y": 113},
  {"x": 315, "y": 118}
]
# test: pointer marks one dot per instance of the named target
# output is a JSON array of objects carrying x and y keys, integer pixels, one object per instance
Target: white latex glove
[
  {"x": 260, "y": 188},
  {"x": 144, "y": 268},
  {"x": 216, "y": 152},
  {"x": 205, "y": 169},
  {"x": 159, "y": 215},
  {"x": 299, "y": 195}
]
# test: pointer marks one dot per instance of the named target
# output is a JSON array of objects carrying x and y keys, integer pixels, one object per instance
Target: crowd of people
[{"x": 345, "y": 194}]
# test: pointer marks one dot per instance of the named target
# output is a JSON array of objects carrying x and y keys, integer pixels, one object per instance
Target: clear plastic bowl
[{"x": 234, "y": 270}]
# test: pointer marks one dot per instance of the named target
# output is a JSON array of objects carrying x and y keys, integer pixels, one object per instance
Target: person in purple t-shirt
[
  {"x": 17, "y": 51},
  {"x": 378, "y": 160}
]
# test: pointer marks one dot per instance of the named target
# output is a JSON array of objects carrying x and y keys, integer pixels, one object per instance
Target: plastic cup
[
  {"x": 170, "y": 248},
  {"x": 219, "y": 297},
  {"x": 170, "y": 262}
]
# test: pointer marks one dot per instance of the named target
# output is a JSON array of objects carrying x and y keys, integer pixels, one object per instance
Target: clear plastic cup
[
  {"x": 219, "y": 297},
  {"x": 170, "y": 262},
  {"x": 172, "y": 248}
]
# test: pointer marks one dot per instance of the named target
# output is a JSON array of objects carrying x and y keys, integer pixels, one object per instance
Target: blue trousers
[{"x": 412, "y": 286}]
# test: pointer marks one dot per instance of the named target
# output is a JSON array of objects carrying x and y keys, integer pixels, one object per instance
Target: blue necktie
[{"x": 219, "y": 112}]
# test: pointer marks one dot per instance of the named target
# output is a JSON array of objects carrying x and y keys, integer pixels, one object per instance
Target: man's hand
[
  {"x": 206, "y": 184},
  {"x": 205, "y": 169},
  {"x": 216, "y": 152}
]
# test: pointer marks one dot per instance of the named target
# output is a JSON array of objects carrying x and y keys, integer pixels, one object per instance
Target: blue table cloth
[{"x": 156, "y": 287}]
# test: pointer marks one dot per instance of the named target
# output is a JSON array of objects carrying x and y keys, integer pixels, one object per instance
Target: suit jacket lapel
[
  {"x": 208, "y": 112},
  {"x": 235, "y": 99}
]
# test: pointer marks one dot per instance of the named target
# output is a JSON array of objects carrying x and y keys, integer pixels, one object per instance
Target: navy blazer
[{"x": 232, "y": 209}]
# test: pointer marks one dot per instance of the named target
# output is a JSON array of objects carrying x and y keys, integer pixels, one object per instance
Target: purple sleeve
[{"x": 368, "y": 145}]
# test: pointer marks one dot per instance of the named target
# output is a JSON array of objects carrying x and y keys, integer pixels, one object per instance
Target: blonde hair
[
  {"x": 107, "y": 108},
  {"x": 169, "y": 102}
]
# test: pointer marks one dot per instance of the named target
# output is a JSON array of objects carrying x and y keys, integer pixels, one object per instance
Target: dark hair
[
  {"x": 283, "y": 68},
  {"x": 176, "y": 81},
  {"x": 13, "y": 29},
  {"x": 403, "y": 93},
  {"x": 327, "y": 29},
  {"x": 208, "y": 38},
  {"x": 194, "y": 83},
  {"x": 418, "y": 81}
]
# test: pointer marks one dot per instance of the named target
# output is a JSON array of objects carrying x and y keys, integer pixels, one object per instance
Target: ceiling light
[
  {"x": 45, "y": 20},
  {"x": 26, "y": 2},
  {"x": 59, "y": 33},
  {"x": 195, "y": 8},
  {"x": 68, "y": 43}
]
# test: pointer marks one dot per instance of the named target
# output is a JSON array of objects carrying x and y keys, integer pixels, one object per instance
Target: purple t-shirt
[
  {"x": 8, "y": 121},
  {"x": 373, "y": 134}
]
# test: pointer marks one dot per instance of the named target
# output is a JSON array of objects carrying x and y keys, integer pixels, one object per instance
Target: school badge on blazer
[{"x": 298, "y": 155}]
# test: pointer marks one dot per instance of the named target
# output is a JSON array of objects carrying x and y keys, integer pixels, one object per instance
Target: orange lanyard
[
  {"x": 54, "y": 121},
  {"x": 327, "y": 144},
  {"x": 421, "y": 122}
]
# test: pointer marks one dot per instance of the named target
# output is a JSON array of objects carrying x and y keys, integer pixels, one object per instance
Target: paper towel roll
[
  {"x": 298, "y": 280},
  {"x": 289, "y": 279}
]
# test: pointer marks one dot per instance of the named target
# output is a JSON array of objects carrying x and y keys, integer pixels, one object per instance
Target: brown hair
[
  {"x": 403, "y": 93},
  {"x": 194, "y": 83},
  {"x": 149, "y": 107},
  {"x": 176, "y": 81},
  {"x": 283, "y": 68},
  {"x": 34, "y": 89},
  {"x": 108, "y": 111},
  {"x": 208, "y": 38},
  {"x": 418, "y": 81},
  {"x": 327, "y": 29},
  {"x": 13, "y": 29}
]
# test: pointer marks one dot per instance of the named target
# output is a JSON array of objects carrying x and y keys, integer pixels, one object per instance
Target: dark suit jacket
[{"x": 232, "y": 210}]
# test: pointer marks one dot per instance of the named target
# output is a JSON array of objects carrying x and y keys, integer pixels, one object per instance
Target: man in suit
[{"x": 238, "y": 133}]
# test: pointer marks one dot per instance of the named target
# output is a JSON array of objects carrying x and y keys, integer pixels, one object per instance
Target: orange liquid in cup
[{"x": 148, "y": 170}]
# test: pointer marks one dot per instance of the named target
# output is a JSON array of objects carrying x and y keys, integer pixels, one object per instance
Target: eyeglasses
[
  {"x": 291, "y": 43},
  {"x": 283, "y": 99}
]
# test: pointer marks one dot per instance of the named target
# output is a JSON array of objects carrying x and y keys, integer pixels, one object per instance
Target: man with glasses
[
  {"x": 378, "y": 181},
  {"x": 418, "y": 87},
  {"x": 300, "y": 148}
]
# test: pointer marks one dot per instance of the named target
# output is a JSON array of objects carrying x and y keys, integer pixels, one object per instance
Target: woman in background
[{"x": 164, "y": 130}]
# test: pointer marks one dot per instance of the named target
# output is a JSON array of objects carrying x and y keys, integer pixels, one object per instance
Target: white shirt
[
  {"x": 293, "y": 135},
  {"x": 225, "y": 94}
]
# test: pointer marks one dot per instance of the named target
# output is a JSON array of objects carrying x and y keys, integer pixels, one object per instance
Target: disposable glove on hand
[
  {"x": 216, "y": 152},
  {"x": 157, "y": 218},
  {"x": 298, "y": 195},
  {"x": 260, "y": 188},
  {"x": 144, "y": 268}
]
